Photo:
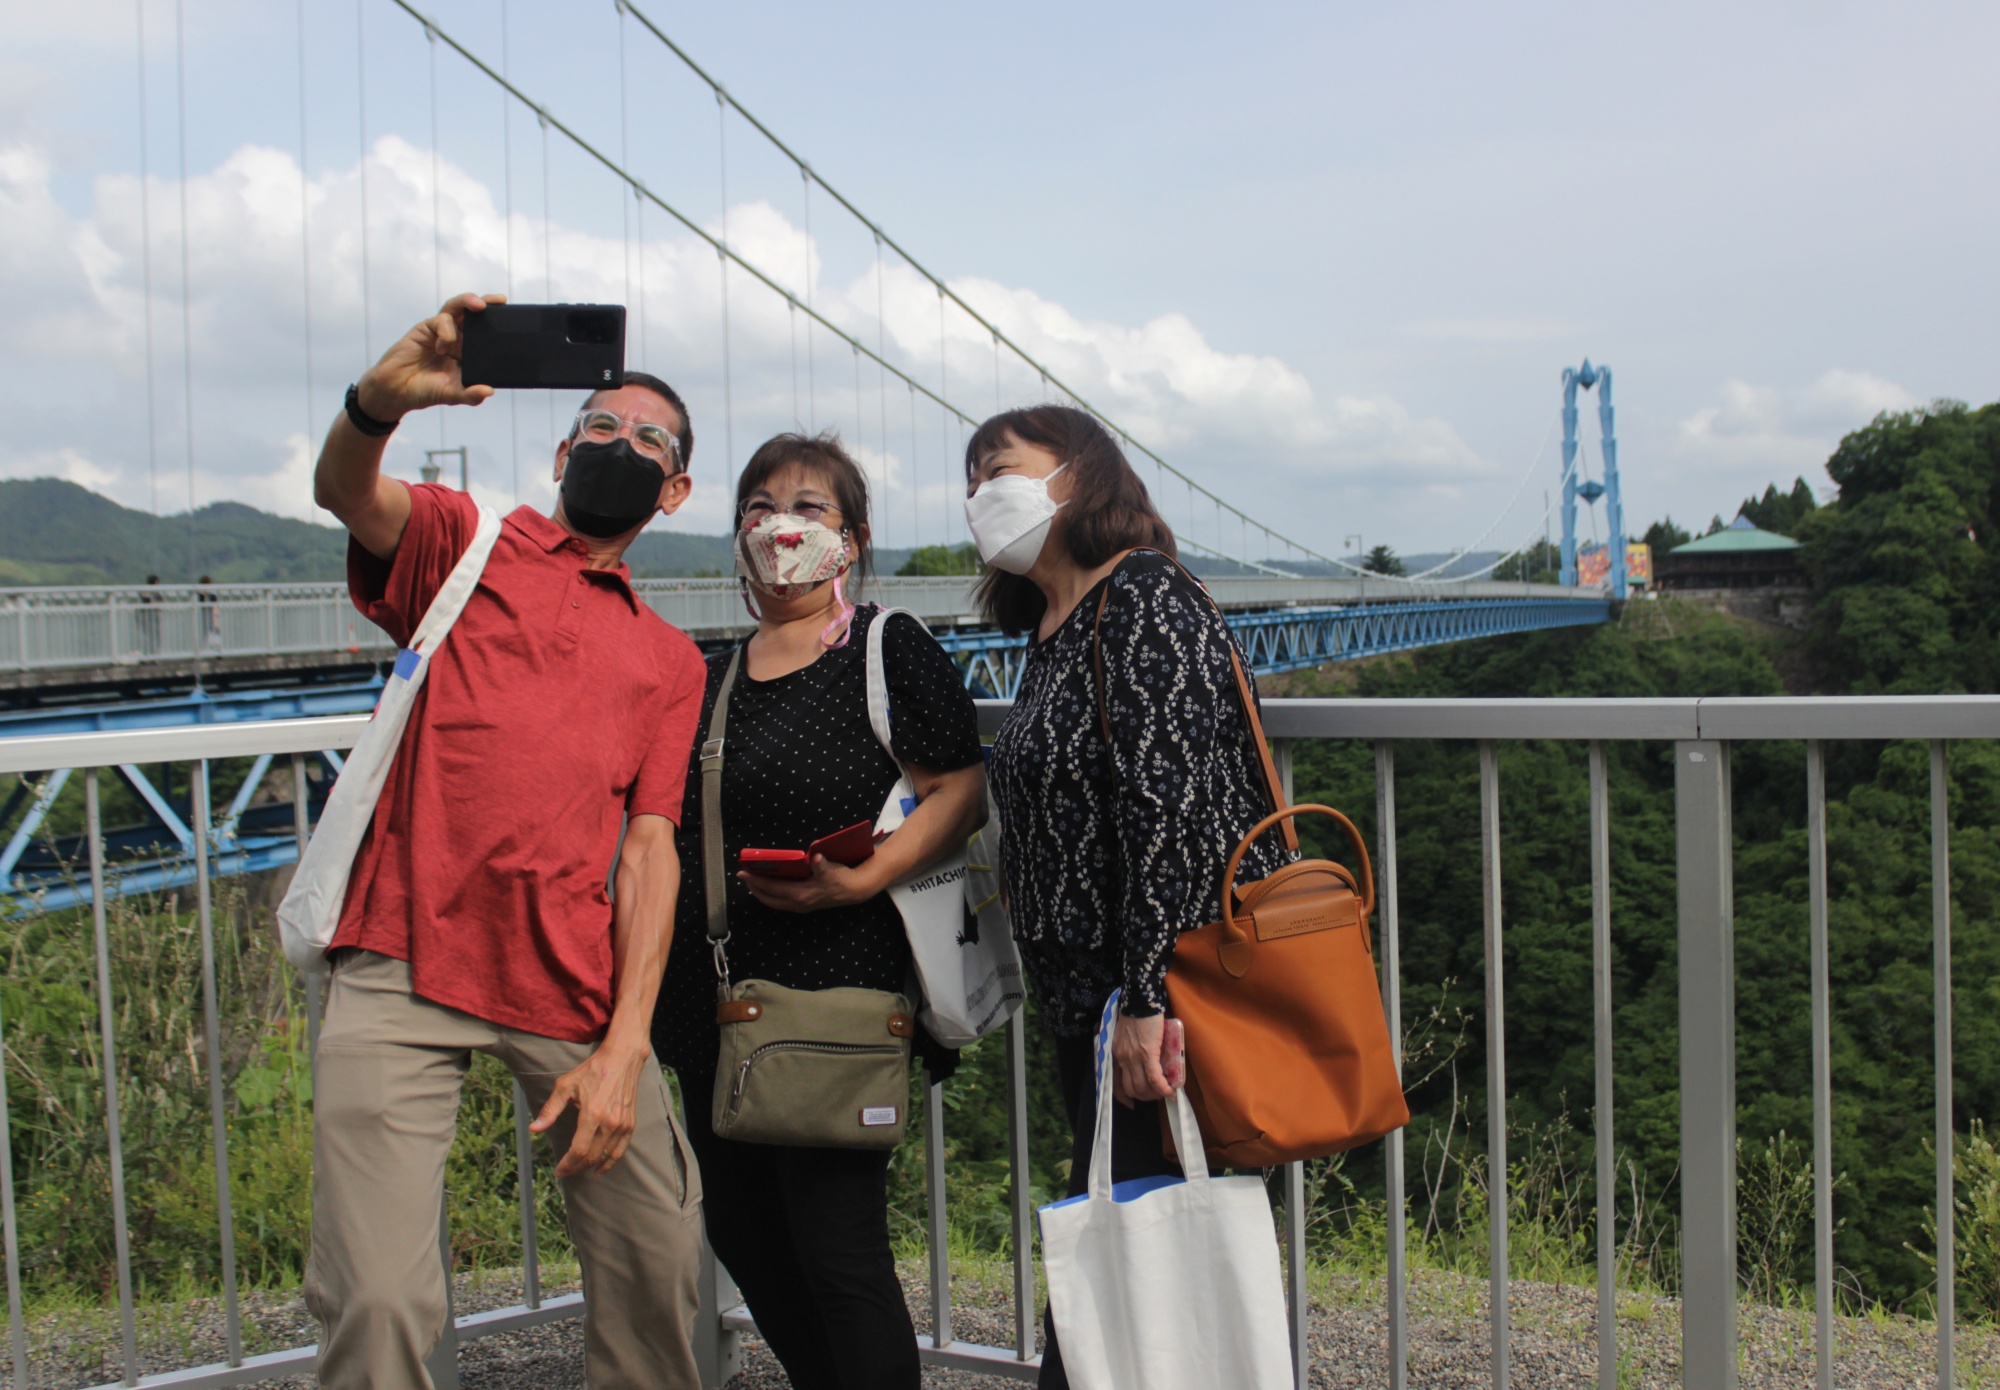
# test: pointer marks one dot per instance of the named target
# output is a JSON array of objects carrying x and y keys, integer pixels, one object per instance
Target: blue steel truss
[{"x": 1289, "y": 639}]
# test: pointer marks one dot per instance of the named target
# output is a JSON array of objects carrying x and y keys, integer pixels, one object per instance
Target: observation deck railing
[
  {"x": 131, "y": 626},
  {"x": 1701, "y": 732}
]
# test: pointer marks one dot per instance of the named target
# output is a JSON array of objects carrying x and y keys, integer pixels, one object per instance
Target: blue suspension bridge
[{"x": 91, "y": 660}]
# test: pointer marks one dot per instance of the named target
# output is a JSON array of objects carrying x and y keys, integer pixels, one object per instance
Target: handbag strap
[
  {"x": 1272, "y": 784},
  {"x": 458, "y": 586},
  {"x": 715, "y": 881}
]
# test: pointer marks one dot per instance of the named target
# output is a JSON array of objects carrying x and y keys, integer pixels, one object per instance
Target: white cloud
[
  {"x": 1248, "y": 425},
  {"x": 1753, "y": 435}
]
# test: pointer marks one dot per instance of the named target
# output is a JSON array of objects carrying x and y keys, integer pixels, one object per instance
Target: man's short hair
[{"x": 649, "y": 382}]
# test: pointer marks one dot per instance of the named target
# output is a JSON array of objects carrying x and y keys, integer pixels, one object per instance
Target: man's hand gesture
[
  {"x": 605, "y": 1092},
  {"x": 422, "y": 368}
]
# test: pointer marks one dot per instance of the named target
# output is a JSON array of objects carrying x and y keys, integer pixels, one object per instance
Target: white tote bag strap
[
  {"x": 1180, "y": 1117},
  {"x": 878, "y": 680},
  {"x": 458, "y": 586}
]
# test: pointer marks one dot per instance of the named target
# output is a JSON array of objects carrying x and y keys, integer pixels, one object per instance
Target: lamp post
[{"x": 431, "y": 468}]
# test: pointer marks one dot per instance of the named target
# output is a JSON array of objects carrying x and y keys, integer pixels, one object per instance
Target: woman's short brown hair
[
  {"x": 824, "y": 455},
  {"x": 1109, "y": 509}
]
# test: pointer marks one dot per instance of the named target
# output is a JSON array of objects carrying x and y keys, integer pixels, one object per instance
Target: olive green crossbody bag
[{"x": 824, "y": 1068}]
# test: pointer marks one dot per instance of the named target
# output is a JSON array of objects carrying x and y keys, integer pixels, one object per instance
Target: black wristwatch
[{"x": 362, "y": 420}]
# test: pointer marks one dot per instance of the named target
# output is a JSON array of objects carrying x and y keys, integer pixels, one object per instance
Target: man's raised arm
[{"x": 419, "y": 371}]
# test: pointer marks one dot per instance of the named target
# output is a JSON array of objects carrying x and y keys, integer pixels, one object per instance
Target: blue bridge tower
[{"x": 1587, "y": 377}]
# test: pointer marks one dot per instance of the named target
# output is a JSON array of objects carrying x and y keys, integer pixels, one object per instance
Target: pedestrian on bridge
[
  {"x": 477, "y": 917},
  {"x": 1126, "y": 771}
]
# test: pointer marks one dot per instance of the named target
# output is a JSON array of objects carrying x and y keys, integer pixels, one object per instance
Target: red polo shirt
[{"x": 558, "y": 701}]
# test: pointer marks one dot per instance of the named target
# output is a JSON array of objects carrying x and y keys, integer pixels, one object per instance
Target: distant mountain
[{"x": 54, "y": 532}]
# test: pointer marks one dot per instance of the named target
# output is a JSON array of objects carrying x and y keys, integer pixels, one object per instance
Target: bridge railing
[
  {"x": 1701, "y": 735},
  {"x": 136, "y": 625}
]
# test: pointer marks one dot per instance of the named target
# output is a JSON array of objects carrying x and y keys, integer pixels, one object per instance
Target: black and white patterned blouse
[
  {"x": 802, "y": 762},
  {"x": 1111, "y": 853}
]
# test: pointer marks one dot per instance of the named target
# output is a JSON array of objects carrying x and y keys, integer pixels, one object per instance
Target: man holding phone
[{"x": 477, "y": 920}]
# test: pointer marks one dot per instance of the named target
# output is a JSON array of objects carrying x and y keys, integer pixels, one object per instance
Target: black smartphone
[{"x": 553, "y": 346}]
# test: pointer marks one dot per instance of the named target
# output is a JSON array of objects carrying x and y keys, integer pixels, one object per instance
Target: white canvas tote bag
[
  {"x": 1165, "y": 1283},
  {"x": 958, "y": 930},
  {"x": 310, "y": 913}
]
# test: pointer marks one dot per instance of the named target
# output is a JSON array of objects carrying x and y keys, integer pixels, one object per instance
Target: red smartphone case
[
  {"x": 849, "y": 846},
  {"x": 775, "y": 863}
]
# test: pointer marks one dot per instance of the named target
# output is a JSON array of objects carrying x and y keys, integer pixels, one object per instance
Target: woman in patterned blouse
[{"x": 1110, "y": 850}]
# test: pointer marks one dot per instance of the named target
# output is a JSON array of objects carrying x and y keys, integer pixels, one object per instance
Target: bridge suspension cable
[{"x": 814, "y": 317}]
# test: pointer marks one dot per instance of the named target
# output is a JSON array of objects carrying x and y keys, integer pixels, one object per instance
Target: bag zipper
[{"x": 799, "y": 1045}]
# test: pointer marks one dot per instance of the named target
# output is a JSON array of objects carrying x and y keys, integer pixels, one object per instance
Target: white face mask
[{"x": 1010, "y": 517}]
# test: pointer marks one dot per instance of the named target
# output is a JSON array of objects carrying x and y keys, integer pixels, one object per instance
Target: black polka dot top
[{"x": 802, "y": 762}]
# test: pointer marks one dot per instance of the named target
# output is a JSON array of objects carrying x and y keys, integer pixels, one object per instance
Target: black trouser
[
  {"x": 805, "y": 1234},
  {"x": 1136, "y": 1152}
]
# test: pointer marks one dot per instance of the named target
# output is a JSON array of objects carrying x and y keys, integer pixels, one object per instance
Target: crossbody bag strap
[
  {"x": 458, "y": 586},
  {"x": 1244, "y": 696},
  {"x": 715, "y": 879}
]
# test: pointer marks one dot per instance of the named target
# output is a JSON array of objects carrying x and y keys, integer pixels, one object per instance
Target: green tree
[
  {"x": 1382, "y": 560},
  {"x": 1663, "y": 536},
  {"x": 1780, "y": 511},
  {"x": 942, "y": 559},
  {"x": 1902, "y": 567}
]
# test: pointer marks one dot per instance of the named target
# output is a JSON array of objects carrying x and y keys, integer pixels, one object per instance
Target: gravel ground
[{"x": 1553, "y": 1340}]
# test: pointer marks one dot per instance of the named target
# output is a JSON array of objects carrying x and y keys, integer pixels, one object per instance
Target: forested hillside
[
  {"x": 54, "y": 532},
  {"x": 1905, "y": 575}
]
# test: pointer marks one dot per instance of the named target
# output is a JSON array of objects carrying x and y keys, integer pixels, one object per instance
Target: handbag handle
[{"x": 1235, "y": 948}]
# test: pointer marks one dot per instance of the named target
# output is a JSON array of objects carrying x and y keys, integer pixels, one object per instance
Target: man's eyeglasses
[
  {"x": 649, "y": 440},
  {"x": 757, "y": 509}
]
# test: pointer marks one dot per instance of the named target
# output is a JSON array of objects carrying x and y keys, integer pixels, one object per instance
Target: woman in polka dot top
[{"x": 804, "y": 1231}]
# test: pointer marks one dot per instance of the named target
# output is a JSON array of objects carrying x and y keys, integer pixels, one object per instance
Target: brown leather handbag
[{"x": 1288, "y": 1049}]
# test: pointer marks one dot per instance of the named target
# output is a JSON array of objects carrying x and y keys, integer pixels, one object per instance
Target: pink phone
[{"x": 1173, "y": 1053}]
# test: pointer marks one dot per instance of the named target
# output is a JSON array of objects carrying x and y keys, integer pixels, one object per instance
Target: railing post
[
  {"x": 1707, "y": 949},
  {"x": 442, "y": 1363},
  {"x": 1297, "y": 1301},
  {"x": 1606, "y": 1136},
  {"x": 1390, "y": 945},
  {"x": 1822, "y": 1063},
  {"x": 1947, "y": 1245},
  {"x": 718, "y": 1352},
  {"x": 1499, "y": 1274},
  {"x": 1018, "y": 1165},
  {"x": 232, "y": 1320},
  {"x": 935, "y": 1218}
]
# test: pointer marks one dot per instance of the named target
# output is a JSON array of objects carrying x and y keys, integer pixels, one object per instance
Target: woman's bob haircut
[{"x": 1108, "y": 510}]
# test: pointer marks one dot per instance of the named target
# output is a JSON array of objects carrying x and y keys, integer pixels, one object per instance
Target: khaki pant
[{"x": 387, "y": 1080}]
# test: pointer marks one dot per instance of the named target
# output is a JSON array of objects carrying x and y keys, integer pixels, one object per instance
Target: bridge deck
[{"x": 52, "y": 639}]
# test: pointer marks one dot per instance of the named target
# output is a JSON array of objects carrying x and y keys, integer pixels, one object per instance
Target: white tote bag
[
  {"x": 958, "y": 930},
  {"x": 310, "y": 913},
  {"x": 1165, "y": 1283}
]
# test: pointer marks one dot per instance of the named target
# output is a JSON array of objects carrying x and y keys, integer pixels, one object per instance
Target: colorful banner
[{"x": 1594, "y": 566}]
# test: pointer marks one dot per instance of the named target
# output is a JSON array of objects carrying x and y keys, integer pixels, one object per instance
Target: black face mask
[{"x": 607, "y": 489}]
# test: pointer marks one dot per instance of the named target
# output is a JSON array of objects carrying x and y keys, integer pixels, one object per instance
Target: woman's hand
[
  {"x": 831, "y": 885},
  {"x": 1136, "y": 1048}
]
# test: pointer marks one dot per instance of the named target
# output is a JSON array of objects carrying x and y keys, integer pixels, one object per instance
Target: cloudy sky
[{"x": 1328, "y": 259}]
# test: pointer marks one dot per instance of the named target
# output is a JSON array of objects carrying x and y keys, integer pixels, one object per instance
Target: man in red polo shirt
[{"x": 477, "y": 920}]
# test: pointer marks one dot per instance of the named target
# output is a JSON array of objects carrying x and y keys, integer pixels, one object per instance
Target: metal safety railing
[
  {"x": 142, "y": 625},
  {"x": 1701, "y": 732}
]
